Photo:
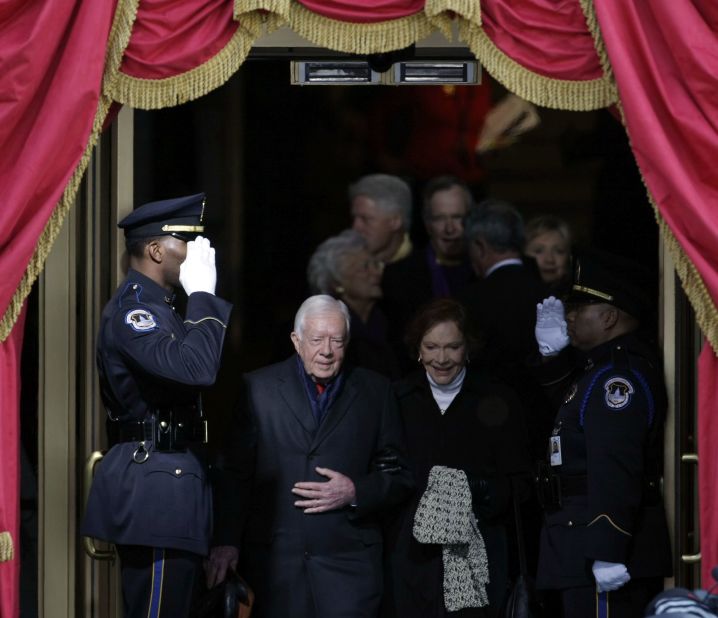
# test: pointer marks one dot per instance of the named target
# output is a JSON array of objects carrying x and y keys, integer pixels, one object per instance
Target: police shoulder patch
[
  {"x": 140, "y": 320},
  {"x": 618, "y": 392}
]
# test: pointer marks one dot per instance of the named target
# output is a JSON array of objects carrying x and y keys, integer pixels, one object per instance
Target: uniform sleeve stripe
[
  {"x": 204, "y": 320},
  {"x": 649, "y": 396},
  {"x": 589, "y": 390},
  {"x": 610, "y": 521}
]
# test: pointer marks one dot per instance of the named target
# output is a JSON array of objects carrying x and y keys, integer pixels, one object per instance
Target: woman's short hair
[
  {"x": 547, "y": 223},
  {"x": 435, "y": 312},
  {"x": 324, "y": 268},
  {"x": 320, "y": 303}
]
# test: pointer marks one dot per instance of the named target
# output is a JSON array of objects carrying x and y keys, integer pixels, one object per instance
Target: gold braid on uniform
[{"x": 6, "y": 547}]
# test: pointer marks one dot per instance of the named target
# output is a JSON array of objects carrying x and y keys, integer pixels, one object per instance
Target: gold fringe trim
[
  {"x": 120, "y": 31},
  {"x": 442, "y": 14},
  {"x": 280, "y": 8},
  {"x": 6, "y": 547},
  {"x": 158, "y": 93},
  {"x": 538, "y": 89},
  {"x": 692, "y": 282},
  {"x": 353, "y": 38},
  {"x": 589, "y": 13},
  {"x": 52, "y": 227},
  {"x": 119, "y": 38},
  {"x": 704, "y": 307}
]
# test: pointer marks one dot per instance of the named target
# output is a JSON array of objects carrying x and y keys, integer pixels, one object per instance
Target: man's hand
[
  {"x": 551, "y": 330},
  {"x": 220, "y": 559},
  {"x": 329, "y": 495},
  {"x": 609, "y": 575},
  {"x": 198, "y": 272}
]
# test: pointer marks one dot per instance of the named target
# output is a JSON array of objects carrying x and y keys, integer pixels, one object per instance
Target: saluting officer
[
  {"x": 150, "y": 496},
  {"x": 604, "y": 540}
]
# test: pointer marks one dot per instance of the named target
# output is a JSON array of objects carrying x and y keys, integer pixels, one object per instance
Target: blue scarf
[{"x": 320, "y": 402}]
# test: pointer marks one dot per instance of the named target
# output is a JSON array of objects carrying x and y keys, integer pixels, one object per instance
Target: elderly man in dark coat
[{"x": 316, "y": 453}]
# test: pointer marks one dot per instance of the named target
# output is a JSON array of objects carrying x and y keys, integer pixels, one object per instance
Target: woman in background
[
  {"x": 462, "y": 420},
  {"x": 548, "y": 241},
  {"x": 343, "y": 267}
]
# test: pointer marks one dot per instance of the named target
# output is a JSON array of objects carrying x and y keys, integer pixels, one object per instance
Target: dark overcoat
[
  {"x": 325, "y": 565},
  {"x": 481, "y": 433},
  {"x": 150, "y": 358}
]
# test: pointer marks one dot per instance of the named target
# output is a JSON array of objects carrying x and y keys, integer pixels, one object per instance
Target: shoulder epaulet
[{"x": 132, "y": 292}]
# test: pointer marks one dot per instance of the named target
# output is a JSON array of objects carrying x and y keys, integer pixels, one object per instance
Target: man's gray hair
[
  {"x": 318, "y": 304},
  {"x": 444, "y": 183},
  {"x": 391, "y": 194},
  {"x": 324, "y": 268},
  {"x": 498, "y": 224}
]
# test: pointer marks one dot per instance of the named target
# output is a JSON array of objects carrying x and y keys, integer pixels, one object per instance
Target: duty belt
[{"x": 168, "y": 430}]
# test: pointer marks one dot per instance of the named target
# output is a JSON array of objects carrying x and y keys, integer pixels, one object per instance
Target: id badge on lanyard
[{"x": 554, "y": 446}]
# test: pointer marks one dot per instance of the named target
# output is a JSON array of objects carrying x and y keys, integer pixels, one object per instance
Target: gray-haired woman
[{"x": 343, "y": 267}]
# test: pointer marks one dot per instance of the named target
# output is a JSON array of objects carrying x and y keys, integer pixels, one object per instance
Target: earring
[
  {"x": 419, "y": 359},
  {"x": 339, "y": 290}
]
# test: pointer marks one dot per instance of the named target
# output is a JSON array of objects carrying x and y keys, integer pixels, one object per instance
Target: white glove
[
  {"x": 198, "y": 272},
  {"x": 609, "y": 575},
  {"x": 551, "y": 330}
]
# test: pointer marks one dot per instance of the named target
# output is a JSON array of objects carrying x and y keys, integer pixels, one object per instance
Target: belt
[{"x": 165, "y": 432}]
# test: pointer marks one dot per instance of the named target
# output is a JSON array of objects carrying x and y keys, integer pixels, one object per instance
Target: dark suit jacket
[
  {"x": 503, "y": 308},
  {"x": 327, "y": 564}
]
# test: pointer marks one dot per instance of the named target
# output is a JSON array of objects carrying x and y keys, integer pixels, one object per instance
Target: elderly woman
[
  {"x": 343, "y": 267},
  {"x": 457, "y": 422},
  {"x": 548, "y": 241}
]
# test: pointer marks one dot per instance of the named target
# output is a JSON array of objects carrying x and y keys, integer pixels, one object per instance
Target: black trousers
[
  {"x": 629, "y": 601},
  {"x": 157, "y": 582}
]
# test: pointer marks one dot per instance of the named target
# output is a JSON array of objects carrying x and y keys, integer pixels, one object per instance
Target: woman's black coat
[{"x": 481, "y": 433}]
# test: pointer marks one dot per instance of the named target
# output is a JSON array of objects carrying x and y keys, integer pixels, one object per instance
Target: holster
[{"x": 548, "y": 487}]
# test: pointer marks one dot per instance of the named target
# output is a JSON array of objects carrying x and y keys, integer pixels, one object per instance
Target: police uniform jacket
[
  {"x": 151, "y": 359},
  {"x": 310, "y": 565},
  {"x": 608, "y": 443}
]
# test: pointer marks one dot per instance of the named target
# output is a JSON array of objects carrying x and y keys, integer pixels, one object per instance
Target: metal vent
[{"x": 333, "y": 72}]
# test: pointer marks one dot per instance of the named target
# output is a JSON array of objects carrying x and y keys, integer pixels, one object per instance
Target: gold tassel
[{"x": 6, "y": 547}]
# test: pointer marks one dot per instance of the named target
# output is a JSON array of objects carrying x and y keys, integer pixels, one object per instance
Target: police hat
[
  {"x": 180, "y": 217},
  {"x": 607, "y": 278}
]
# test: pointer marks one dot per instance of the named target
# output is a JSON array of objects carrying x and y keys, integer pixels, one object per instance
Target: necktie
[{"x": 319, "y": 405}]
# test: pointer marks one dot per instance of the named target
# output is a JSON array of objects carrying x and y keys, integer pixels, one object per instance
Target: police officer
[
  {"x": 604, "y": 540},
  {"x": 150, "y": 496}
]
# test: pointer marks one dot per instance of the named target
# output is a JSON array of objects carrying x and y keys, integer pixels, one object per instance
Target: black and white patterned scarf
[{"x": 444, "y": 516}]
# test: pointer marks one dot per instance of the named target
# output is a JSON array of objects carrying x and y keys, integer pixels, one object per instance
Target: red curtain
[
  {"x": 53, "y": 55},
  {"x": 9, "y": 470},
  {"x": 170, "y": 37},
  {"x": 548, "y": 37},
  {"x": 665, "y": 57},
  {"x": 364, "y": 11}
]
